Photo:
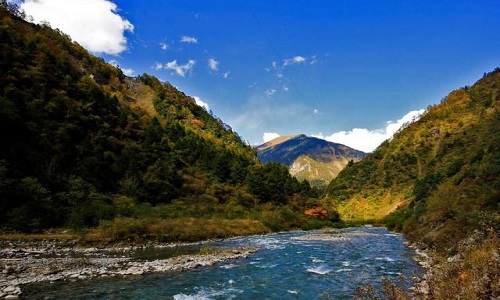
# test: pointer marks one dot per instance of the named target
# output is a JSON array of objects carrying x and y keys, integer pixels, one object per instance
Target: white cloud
[
  {"x": 286, "y": 88},
  {"x": 157, "y": 66},
  {"x": 201, "y": 103},
  {"x": 95, "y": 24},
  {"x": 294, "y": 60},
  {"x": 270, "y": 92},
  {"x": 127, "y": 72},
  {"x": 368, "y": 140},
  {"x": 315, "y": 111},
  {"x": 181, "y": 70},
  {"x": 226, "y": 75},
  {"x": 114, "y": 63},
  {"x": 189, "y": 40},
  {"x": 163, "y": 46},
  {"x": 213, "y": 64},
  {"x": 268, "y": 136}
]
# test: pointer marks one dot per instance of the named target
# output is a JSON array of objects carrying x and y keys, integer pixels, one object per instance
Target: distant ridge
[
  {"x": 314, "y": 159},
  {"x": 276, "y": 141}
]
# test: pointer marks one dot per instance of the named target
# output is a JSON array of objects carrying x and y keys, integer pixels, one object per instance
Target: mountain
[
  {"x": 313, "y": 159},
  {"x": 438, "y": 181},
  {"x": 83, "y": 145}
]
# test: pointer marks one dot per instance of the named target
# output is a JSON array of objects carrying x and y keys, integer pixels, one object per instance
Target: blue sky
[{"x": 346, "y": 71}]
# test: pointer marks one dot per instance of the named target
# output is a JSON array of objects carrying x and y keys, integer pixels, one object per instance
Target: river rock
[
  {"x": 454, "y": 258},
  {"x": 10, "y": 289}
]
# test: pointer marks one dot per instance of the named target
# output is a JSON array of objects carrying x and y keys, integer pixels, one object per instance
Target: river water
[{"x": 285, "y": 267}]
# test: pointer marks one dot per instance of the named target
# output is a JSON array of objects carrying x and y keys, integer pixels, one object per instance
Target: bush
[{"x": 122, "y": 228}]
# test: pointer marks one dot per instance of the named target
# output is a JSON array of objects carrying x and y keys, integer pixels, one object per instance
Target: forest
[{"x": 85, "y": 147}]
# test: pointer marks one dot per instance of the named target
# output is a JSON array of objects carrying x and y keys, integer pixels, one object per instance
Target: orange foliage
[
  {"x": 316, "y": 212},
  {"x": 198, "y": 123}
]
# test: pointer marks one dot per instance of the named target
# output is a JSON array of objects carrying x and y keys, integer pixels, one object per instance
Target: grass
[
  {"x": 173, "y": 230},
  {"x": 60, "y": 235},
  {"x": 474, "y": 275},
  {"x": 388, "y": 291}
]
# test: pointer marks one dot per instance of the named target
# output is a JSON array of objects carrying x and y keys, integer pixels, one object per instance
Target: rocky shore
[
  {"x": 421, "y": 288},
  {"x": 24, "y": 262},
  {"x": 332, "y": 236}
]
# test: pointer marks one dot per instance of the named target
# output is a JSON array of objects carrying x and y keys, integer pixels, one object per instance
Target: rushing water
[{"x": 284, "y": 268}]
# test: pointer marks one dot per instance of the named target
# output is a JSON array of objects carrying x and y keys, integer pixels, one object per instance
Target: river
[{"x": 293, "y": 265}]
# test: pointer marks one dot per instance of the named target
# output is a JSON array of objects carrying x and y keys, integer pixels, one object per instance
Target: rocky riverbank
[
  {"x": 24, "y": 262},
  {"x": 332, "y": 236},
  {"x": 421, "y": 288}
]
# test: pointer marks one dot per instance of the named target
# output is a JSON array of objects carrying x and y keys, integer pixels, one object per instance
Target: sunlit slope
[{"x": 443, "y": 169}]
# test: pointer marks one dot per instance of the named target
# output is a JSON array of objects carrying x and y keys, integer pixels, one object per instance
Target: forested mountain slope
[
  {"x": 447, "y": 163},
  {"x": 81, "y": 143},
  {"x": 440, "y": 178}
]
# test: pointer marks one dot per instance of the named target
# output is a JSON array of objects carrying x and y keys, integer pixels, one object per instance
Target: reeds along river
[{"x": 296, "y": 265}]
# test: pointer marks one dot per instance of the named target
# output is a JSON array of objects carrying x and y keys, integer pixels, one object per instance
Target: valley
[{"x": 94, "y": 158}]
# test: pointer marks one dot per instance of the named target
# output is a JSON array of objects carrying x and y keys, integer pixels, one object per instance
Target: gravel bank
[{"x": 24, "y": 262}]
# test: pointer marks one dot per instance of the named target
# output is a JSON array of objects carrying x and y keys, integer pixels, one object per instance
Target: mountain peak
[
  {"x": 308, "y": 157},
  {"x": 276, "y": 141}
]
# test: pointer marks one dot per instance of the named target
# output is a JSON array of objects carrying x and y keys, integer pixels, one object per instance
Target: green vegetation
[
  {"x": 438, "y": 182},
  {"x": 84, "y": 146}
]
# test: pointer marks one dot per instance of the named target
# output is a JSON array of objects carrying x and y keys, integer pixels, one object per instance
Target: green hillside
[
  {"x": 452, "y": 150},
  {"x": 438, "y": 181},
  {"x": 85, "y": 146}
]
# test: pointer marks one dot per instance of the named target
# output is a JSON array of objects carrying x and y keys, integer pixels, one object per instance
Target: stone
[
  {"x": 453, "y": 258},
  {"x": 9, "y": 289},
  {"x": 48, "y": 272}
]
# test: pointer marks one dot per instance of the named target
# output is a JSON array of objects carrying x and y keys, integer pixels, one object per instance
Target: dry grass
[
  {"x": 176, "y": 229},
  {"x": 475, "y": 276},
  {"x": 63, "y": 235},
  {"x": 388, "y": 291}
]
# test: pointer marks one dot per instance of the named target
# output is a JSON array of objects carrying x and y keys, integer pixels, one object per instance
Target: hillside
[
  {"x": 309, "y": 158},
  {"x": 452, "y": 147},
  {"x": 84, "y": 146},
  {"x": 440, "y": 179}
]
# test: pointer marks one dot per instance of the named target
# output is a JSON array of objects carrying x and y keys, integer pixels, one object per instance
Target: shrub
[{"x": 122, "y": 228}]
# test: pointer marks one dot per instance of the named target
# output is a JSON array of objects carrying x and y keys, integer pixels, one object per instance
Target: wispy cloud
[
  {"x": 104, "y": 34},
  {"x": 270, "y": 92},
  {"x": 163, "y": 46},
  {"x": 258, "y": 114},
  {"x": 226, "y": 74},
  {"x": 126, "y": 71},
  {"x": 294, "y": 60},
  {"x": 157, "y": 66},
  {"x": 180, "y": 70},
  {"x": 213, "y": 64},
  {"x": 189, "y": 40},
  {"x": 368, "y": 140}
]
